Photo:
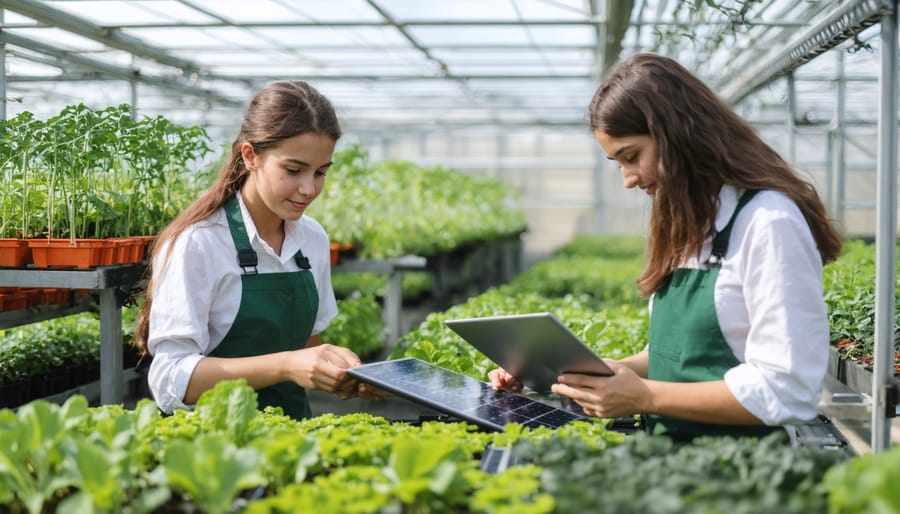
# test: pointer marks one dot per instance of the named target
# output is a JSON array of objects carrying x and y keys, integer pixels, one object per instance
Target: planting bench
[{"x": 109, "y": 282}]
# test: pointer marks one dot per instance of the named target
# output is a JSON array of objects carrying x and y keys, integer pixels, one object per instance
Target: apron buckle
[{"x": 247, "y": 259}]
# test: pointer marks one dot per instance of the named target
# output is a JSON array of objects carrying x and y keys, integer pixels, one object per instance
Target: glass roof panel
[
  {"x": 480, "y": 10},
  {"x": 189, "y": 37},
  {"x": 116, "y": 12},
  {"x": 540, "y": 58},
  {"x": 59, "y": 38},
  {"x": 290, "y": 10}
]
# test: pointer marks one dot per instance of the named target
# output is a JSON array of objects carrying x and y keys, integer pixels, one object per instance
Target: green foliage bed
[{"x": 227, "y": 456}]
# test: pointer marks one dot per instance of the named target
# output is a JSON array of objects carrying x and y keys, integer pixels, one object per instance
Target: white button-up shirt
[
  {"x": 769, "y": 301},
  {"x": 198, "y": 293}
]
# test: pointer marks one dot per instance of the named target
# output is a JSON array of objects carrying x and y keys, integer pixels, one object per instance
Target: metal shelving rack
[
  {"x": 498, "y": 262},
  {"x": 393, "y": 300},
  {"x": 105, "y": 280}
]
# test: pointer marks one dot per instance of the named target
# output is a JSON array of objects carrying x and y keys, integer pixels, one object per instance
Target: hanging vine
[{"x": 700, "y": 12}]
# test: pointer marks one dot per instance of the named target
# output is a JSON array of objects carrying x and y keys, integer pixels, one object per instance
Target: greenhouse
[{"x": 570, "y": 256}]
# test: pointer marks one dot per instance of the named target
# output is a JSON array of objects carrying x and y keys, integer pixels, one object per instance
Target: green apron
[
  {"x": 277, "y": 313},
  {"x": 686, "y": 342}
]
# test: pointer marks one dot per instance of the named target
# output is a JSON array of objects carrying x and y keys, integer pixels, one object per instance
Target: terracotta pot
[
  {"x": 339, "y": 249},
  {"x": 335, "y": 253},
  {"x": 15, "y": 253},
  {"x": 13, "y": 301},
  {"x": 66, "y": 253},
  {"x": 33, "y": 296},
  {"x": 126, "y": 250},
  {"x": 56, "y": 295},
  {"x": 145, "y": 247}
]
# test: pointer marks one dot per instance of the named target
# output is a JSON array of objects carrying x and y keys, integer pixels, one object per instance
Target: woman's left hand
[{"x": 622, "y": 394}]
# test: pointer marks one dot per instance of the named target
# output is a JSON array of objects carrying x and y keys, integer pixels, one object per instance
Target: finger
[
  {"x": 569, "y": 392},
  {"x": 579, "y": 380},
  {"x": 494, "y": 378},
  {"x": 369, "y": 392},
  {"x": 342, "y": 357},
  {"x": 348, "y": 386}
]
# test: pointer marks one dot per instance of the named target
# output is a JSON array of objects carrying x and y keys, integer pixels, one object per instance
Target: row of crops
[
  {"x": 581, "y": 285},
  {"x": 227, "y": 456},
  {"x": 88, "y": 173}
]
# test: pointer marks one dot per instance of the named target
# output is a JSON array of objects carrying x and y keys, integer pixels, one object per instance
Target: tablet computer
[{"x": 536, "y": 348}]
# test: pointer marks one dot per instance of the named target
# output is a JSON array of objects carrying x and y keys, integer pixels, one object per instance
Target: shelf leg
[
  {"x": 393, "y": 303},
  {"x": 111, "y": 383}
]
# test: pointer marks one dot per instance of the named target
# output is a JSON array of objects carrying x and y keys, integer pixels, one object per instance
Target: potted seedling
[{"x": 19, "y": 143}]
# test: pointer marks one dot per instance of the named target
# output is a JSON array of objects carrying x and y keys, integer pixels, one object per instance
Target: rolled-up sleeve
[
  {"x": 170, "y": 373},
  {"x": 786, "y": 354}
]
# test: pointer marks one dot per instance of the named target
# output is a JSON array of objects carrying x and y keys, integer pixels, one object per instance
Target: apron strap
[
  {"x": 720, "y": 240},
  {"x": 247, "y": 258}
]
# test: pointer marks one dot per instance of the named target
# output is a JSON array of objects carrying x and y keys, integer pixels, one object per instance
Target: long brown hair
[
  {"x": 279, "y": 111},
  {"x": 702, "y": 145}
]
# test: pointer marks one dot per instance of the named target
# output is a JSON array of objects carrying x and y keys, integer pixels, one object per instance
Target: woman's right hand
[
  {"x": 502, "y": 379},
  {"x": 322, "y": 367}
]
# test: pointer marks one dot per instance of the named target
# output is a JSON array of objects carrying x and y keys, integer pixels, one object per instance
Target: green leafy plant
[
  {"x": 96, "y": 173},
  {"x": 415, "y": 284},
  {"x": 358, "y": 326},
  {"x": 653, "y": 474},
  {"x": 422, "y": 473},
  {"x": 850, "y": 298},
  {"x": 865, "y": 485},
  {"x": 32, "y": 452},
  {"x": 605, "y": 246},
  {"x": 212, "y": 471},
  {"x": 598, "y": 282}
]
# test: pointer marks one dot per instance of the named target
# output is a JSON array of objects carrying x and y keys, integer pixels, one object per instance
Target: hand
[
  {"x": 502, "y": 379},
  {"x": 370, "y": 392},
  {"x": 323, "y": 367},
  {"x": 623, "y": 394},
  {"x": 353, "y": 388}
]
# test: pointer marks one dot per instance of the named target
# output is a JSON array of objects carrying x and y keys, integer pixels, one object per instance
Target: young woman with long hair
[
  {"x": 240, "y": 284},
  {"x": 737, "y": 241}
]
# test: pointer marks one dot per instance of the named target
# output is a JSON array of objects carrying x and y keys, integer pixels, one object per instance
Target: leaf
[
  {"x": 77, "y": 503},
  {"x": 229, "y": 408},
  {"x": 309, "y": 457},
  {"x": 97, "y": 475}
]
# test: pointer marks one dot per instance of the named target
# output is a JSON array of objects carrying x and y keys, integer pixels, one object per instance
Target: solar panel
[{"x": 461, "y": 396}]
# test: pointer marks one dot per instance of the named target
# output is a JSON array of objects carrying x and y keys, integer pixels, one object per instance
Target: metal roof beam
[
  {"x": 403, "y": 32},
  {"x": 107, "y": 36},
  {"x": 832, "y": 30},
  {"x": 412, "y": 78},
  {"x": 618, "y": 16},
  {"x": 587, "y": 22},
  {"x": 110, "y": 70}
]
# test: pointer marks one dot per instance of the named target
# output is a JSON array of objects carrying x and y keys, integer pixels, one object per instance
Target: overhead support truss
[
  {"x": 181, "y": 81},
  {"x": 837, "y": 27}
]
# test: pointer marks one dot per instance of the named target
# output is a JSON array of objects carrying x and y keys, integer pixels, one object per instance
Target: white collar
[{"x": 293, "y": 233}]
